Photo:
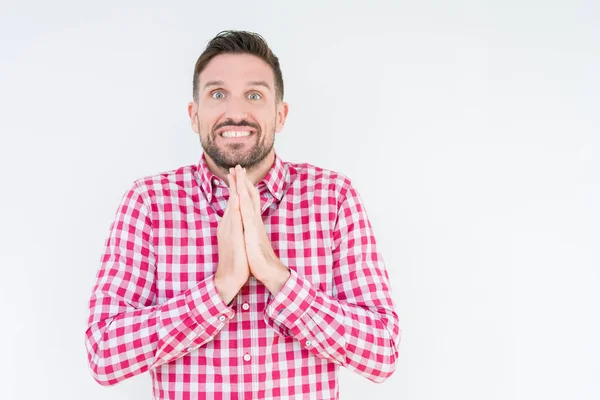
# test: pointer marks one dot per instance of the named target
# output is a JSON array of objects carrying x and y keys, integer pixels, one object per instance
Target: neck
[{"x": 255, "y": 174}]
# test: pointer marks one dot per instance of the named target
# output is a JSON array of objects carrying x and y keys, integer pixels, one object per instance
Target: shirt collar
[{"x": 274, "y": 180}]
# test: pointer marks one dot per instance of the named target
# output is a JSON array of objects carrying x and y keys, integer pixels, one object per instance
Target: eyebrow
[
  {"x": 222, "y": 83},
  {"x": 259, "y": 83},
  {"x": 213, "y": 83}
]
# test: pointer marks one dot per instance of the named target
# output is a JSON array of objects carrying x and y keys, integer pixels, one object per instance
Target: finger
[
  {"x": 242, "y": 191},
  {"x": 254, "y": 195},
  {"x": 246, "y": 207},
  {"x": 232, "y": 204},
  {"x": 233, "y": 196}
]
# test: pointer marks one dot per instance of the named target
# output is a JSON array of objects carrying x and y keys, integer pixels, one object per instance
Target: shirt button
[
  {"x": 245, "y": 306},
  {"x": 216, "y": 181},
  {"x": 221, "y": 318},
  {"x": 247, "y": 357},
  {"x": 308, "y": 343}
]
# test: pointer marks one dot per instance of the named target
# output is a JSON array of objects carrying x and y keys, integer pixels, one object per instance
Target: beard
[{"x": 229, "y": 155}]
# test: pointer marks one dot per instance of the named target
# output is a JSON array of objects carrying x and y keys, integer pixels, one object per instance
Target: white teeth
[{"x": 230, "y": 134}]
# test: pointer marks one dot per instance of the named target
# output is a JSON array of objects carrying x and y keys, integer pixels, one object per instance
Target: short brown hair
[{"x": 240, "y": 42}]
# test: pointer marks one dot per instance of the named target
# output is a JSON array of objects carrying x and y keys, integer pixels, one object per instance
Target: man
[{"x": 244, "y": 276}]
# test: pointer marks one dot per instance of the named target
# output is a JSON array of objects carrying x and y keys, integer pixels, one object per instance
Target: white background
[{"x": 471, "y": 130}]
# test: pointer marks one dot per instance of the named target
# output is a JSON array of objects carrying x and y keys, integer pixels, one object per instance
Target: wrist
[
  {"x": 226, "y": 289},
  {"x": 277, "y": 279}
]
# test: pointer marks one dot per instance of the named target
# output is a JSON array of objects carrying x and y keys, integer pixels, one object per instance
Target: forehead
[{"x": 236, "y": 69}]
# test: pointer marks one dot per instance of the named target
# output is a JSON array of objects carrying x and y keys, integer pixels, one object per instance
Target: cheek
[
  {"x": 208, "y": 111},
  {"x": 268, "y": 118},
  {"x": 206, "y": 121}
]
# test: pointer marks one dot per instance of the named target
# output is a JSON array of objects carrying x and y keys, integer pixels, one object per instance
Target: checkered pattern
[{"x": 155, "y": 306}]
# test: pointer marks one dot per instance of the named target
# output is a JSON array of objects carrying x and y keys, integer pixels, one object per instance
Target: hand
[
  {"x": 232, "y": 270},
  {"x": 262, "y": 260}
]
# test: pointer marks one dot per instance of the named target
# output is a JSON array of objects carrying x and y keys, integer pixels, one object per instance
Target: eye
[
  {"x": 217, "y": 94},
  {"x": 254, "y": 96}
]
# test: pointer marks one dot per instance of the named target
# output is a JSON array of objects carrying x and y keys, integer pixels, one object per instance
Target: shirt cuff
[
  {"x": 205, "y": 314},
  {"x": 207, "y": 306},
  {"x": 294, "y": 298}
]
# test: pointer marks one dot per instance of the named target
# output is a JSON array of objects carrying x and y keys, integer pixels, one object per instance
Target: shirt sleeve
[
  {"x": 358, "y": 326},
  {"x": 127, "y": 332}
]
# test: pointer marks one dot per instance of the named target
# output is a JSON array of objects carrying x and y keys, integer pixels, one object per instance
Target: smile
[{"x": 236, "y": 134}]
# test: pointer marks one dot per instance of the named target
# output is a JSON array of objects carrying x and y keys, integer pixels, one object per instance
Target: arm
[
  {"x": 358, "y": 326},
  {"x": 127, "y": 331}
]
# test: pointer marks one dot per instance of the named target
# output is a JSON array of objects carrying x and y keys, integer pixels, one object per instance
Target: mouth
[{"x": 240, "y": 133}]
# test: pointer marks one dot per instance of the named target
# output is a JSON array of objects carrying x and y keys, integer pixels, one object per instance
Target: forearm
[
  {"x": 364, "y": 339},
  {"x": 123, "y": 341}
]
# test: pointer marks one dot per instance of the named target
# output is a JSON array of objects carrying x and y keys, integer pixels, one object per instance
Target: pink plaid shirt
[{"x": 155, "y": 306}]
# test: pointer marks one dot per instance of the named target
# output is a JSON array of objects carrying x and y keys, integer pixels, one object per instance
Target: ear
[
  {"x": 282, "y": 112},
  {"x": 193, "y": 112}
]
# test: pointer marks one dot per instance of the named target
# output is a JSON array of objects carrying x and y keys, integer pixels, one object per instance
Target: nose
[{"x": 237, "y": 108}]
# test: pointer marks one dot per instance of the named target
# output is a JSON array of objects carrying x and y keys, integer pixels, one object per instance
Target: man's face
[{"x": 237, "y": 113}]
